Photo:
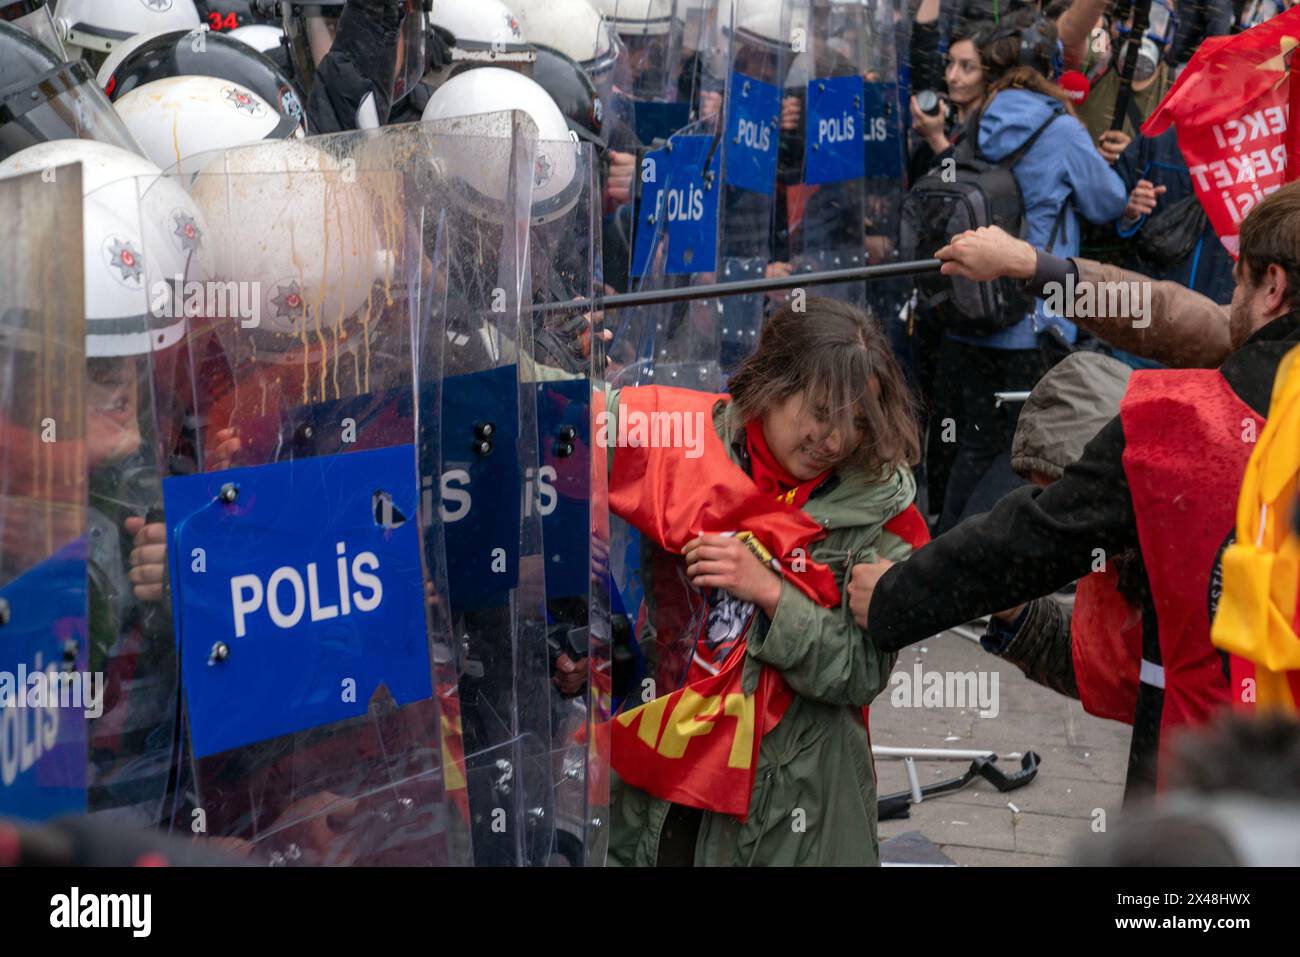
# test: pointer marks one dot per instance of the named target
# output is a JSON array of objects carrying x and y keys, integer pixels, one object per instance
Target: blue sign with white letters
[
  {"x": 753, "y": 134},
  {"x": 649, "y": 215},
  {"x": 833, "y": 135},
  {"x": 43, "y": 745},
  {"x": 300, "y": 598},
  {"x": 884, "y": 144},
  {"x": 691, "y": 205},
  {"x": 480, "y": 492}
]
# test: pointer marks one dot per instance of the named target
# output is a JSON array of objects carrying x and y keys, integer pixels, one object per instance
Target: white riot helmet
[
  {"x": 293, "y": 221},
  {"x": 576, "y": 29},
  {"x": 486, "y": 33},
  {"x": 770, "y": 22},
  {"x": 765, "y": 32},
  {"x": 262, "y": 37},
  {"x": 141, "y": 232},
  {"x": 179, "y": 118},
  {"x": 641, "y": 18},
  {"x": 556, "y": 183},
  {"x": 121, "y": 52},
  {"x": 94, "y": 28}
]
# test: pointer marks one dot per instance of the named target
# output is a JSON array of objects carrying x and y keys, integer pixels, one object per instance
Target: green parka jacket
[{"x": 814, "y": 799}]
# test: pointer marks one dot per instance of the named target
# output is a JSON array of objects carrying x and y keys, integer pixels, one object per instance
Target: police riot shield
[
  {"x": 822, "y": 217},
  {"x": 567, "y": 487},
  {"x": 760, "y": 56},
  {"x": 43, "y": 506},
  {"x": 652, "y": 88},
  {"x": 492, "y": 485},
  {"x": 307, "y": 578}
]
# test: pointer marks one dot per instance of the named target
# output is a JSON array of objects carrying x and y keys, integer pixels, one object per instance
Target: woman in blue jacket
[{"x": 1062, "y": 177}]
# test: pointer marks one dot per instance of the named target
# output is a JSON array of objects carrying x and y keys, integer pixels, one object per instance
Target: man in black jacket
[{"x": 1035, "y": 541}]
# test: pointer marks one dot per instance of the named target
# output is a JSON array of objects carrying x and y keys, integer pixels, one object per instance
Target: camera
[{"x": 929, "y": 102}]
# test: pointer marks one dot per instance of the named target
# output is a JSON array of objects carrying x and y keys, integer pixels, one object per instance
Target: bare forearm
[{"x": 1075, "y": 25}]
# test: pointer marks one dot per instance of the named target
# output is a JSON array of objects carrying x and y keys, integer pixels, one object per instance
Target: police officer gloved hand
[{"x": 354, "y": 81}]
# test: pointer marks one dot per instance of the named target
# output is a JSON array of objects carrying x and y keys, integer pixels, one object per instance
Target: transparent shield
[
  {"x": 650, "y": 94},
  {"x": 43, "y": 491},
  {"x": 823, "y": 155},
  {"x": 40, "y": 24},
  {"x": 566, "y": 487},
  {"x": 65, "y": 104},
  {"x": 498, "y": 182},
  {"x": 143, "y": 247},
  {"x": 307, "y": 524}
]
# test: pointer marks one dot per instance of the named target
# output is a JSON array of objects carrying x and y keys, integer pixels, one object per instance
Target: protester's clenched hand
[
  {"x": 988, "y": 253},
  {"x": 710, "y": 104},
  {"x": 148, "y": 574},
  {"x": 618, "y": 185},
  {"x": 1112, "y": 144},
  {"x": 863, "y": 585},
  {"x": 1142, "y": 201},
  {"x": 724, "y": 561}
]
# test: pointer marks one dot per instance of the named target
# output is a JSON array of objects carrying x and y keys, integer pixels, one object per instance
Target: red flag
[{"x": 1230, "y": 107}]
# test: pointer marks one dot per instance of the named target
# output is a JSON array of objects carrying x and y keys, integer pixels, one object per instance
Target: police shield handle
[
  {"x": 862, "y": 585},
  {"x": 988, "y": 253}
]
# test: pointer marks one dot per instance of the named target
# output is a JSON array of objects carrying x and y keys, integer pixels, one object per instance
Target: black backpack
[{"x": 981, "y": 193}]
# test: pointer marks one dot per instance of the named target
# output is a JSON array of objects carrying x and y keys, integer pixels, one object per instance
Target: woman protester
[
  {"x": 1028, "y": 122},
  {"x": 752, "y": 745}
]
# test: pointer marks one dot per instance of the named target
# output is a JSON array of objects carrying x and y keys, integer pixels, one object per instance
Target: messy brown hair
[
  {"x": 1270, "y": 234},
  {"x": 838, "y": 358}
]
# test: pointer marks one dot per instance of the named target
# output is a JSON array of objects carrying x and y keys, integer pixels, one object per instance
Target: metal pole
[{"x": 654, "y": 297}]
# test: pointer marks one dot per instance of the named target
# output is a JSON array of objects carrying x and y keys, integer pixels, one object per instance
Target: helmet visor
[
  {"x": 64, "y": 103},
  {"x": 37, "y": 23}
]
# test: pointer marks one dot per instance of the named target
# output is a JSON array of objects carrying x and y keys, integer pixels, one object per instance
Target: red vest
[
  {"x": 1106, "y": 641},
  {"x": 1188, "y": 438}
]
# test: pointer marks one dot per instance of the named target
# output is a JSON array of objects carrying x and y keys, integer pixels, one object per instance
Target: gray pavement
[{"x": 1083, "y": 762}]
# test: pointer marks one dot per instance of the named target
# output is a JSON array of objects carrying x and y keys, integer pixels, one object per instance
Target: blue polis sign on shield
[
  {"x": 43, "y": 748},
  {"x": 310, "y": 578},
  {"x": 753, "y": 134},
  {"x": 691, "y": 205},
  {"x": 833, "y": 136},
  {"x": 649, "y": 230},
  {"x": 884, "y": 146}
]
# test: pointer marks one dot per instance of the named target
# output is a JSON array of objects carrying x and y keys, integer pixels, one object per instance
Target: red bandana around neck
[{"x": 768, "y": 473}]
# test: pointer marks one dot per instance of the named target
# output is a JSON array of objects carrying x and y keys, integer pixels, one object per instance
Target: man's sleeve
[
  {"x": 1168, "y": 322},
  {"x": 359, "y": 67},
  {"x": 1033, "y": 542}
]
